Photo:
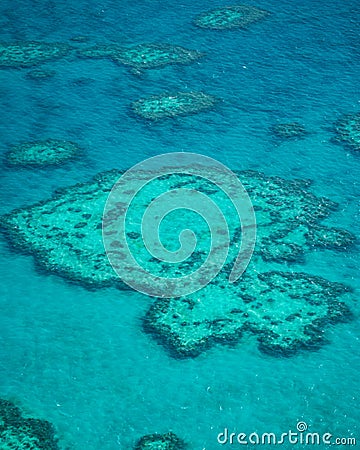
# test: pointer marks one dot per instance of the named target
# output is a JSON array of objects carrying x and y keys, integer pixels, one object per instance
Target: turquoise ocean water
[{"x": 79, "y": 358}]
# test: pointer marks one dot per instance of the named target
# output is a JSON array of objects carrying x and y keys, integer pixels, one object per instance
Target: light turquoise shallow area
[{"x": 79, "y": 358}]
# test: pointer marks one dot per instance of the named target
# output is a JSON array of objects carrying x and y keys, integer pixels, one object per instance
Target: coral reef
[
  {"x": 42, "y": 153},
  {"x": 19, "y": 433},
  {"x": 237, "y": 16},
  {"x": 40, "y": 74},
  {"x": 65, "y": 232},
  {"x": 143, "y": 56},
  {"x": 286, "y": 310},
  {"x": 25, "y": 54},
  {"x": 168, "y": 441},
  {"x": 293, "y": 130},
  {"x": 347, "y": 131},
  {"x": 79, "y": 38},
  {"x": 174, "y": 104}
]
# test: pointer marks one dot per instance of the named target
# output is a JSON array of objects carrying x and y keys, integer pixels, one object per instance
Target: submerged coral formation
[
  {"x": 79, "y": 38},
  {"x": 40, "y": 74},
  {"x": 174, "y": 104},
  {"x": 347, "y": 131},
  {"x": 19, "y": 433},
  {"x": 65, "y": 232},
  {"x": 285, "y": 310},
  {"x": 42, "y": 153},
  {"x": 143, "y": 56},
  {"x": 168, "y": 441},
  {"x": 289, "y": 130},
  {"x": 24, "y": 53},
  {"x": 237, "y": 16}
]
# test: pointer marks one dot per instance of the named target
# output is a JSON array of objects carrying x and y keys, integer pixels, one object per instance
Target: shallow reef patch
[
  {"x": 29, "y": 53},
  {"x": 237, "y": 16},
  {"x": 40, "y": 74},
  {"x": 20, "y": 433},
  {"x": 291, "y": 130},
  {"x": 284, "y": 309},
  {"x": 42, "y": 153},
  {"x": 143, "y": 56},
  {"x": 347, "y": 131},
  {"x": 168, "y": 441},
  {"x": 173, "y": 104}
]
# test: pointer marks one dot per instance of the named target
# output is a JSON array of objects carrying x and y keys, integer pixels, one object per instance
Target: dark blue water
[{"x": 80, "y": 359}]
